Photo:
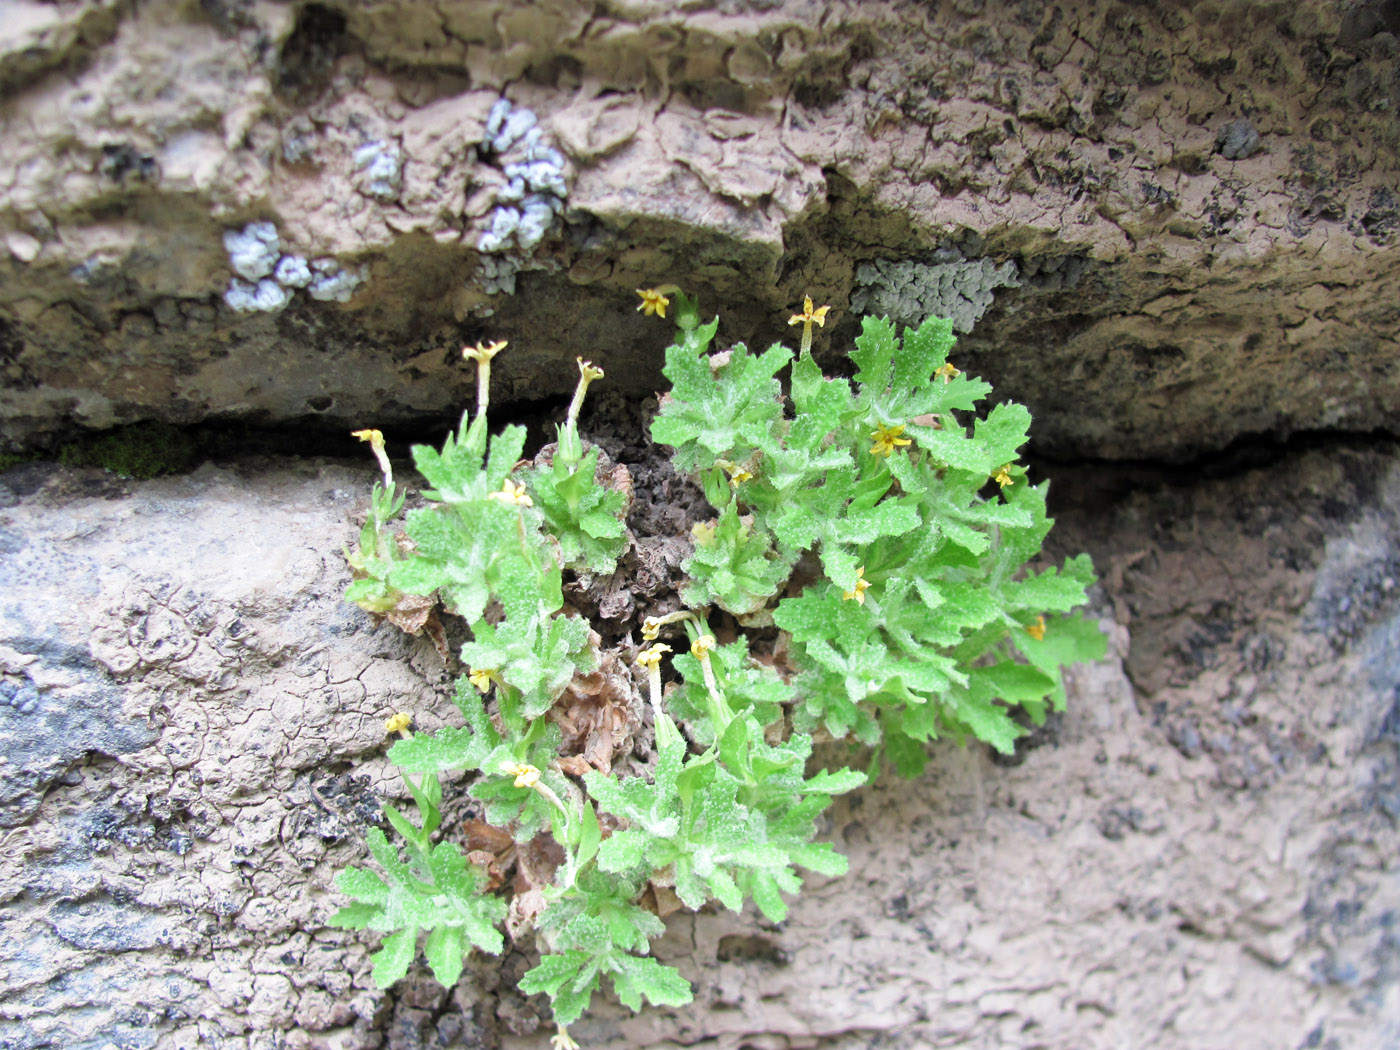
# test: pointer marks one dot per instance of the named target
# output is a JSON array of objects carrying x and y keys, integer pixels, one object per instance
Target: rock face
[
  {"x": 194, "y": 740},
  {"x": 1178, "y": 216},
  {"x": 1163, "y": 226}
]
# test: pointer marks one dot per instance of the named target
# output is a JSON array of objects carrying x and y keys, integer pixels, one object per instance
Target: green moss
[
  {"x": 142, "y": 450},
  {"x": 14, "y": 459}
]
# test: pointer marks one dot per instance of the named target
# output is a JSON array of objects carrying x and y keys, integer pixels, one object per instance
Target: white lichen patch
[
  {"x": 529, "y": 203},
  {"x": 267, "y": 280},
  {"x": 253, "y": 251},
  {"x": 292, "y": 272},
  {"x": 332, "y": 282},
  {"x": 380, "y": 168},
  {"x": 265, "y": 296}
]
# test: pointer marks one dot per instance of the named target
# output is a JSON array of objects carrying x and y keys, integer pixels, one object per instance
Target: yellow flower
[
  {"x": 481, "y": 678},
  {"x": 737, "y": 474},
  {"x": 376, "y": 443},
  {"x": 862, "y": 585},
  {"x": 651, "y": 626},
  {"x": 483, "y": 353},
  {"x": 700, "y": 648},
  {"x": 1037, "y": 630},
  {"x": 526, "y": 776},
  {"x": 947, "y": 371},
  {"x": 512, "y": 494},
  {"x": 653, "y": 302},
  {"x": 887, "y": 439},
  {"x": 374, "y": 437},
  {"x": 651, "y": 658},
  {"x": 398, "y": 723},
  {"x": 1003, "y": 476},
  {"x": 808, "y": 316},
  {"x": 587, "y": 373}
]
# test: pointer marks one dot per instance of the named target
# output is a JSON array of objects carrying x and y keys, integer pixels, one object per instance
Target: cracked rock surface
[
  {"x": 1168, "y": 227},
  {"x": 1204, "y": 843},
  {"x": 1190, "y": 206}
]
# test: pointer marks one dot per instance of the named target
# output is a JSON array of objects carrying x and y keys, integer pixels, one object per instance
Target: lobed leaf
[
  {"x": 715, "y": 409},
  {"x": 394, "y": 957},
  {"x": 635, "y": 977}
]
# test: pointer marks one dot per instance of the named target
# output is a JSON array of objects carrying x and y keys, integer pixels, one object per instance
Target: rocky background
[
  {"x": 1173, "y": 226},
  {"x": 1181, "y": 214}
]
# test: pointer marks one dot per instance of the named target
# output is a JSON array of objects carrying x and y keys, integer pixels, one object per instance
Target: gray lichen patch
[
  {"x": 1238, "y": 140},
  {"x": 908, "y": 292},
  {"x": 57, "y": 704}
]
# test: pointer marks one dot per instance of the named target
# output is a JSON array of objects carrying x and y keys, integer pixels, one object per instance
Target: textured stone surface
[
  {"x": 1220, "y": 177},
  {"x": 1204, "y": 843},
  {"x": 1173, "y": 224},
  {"x": 189, "y": 652}
]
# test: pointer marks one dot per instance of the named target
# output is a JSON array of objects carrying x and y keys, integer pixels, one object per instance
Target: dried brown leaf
[
  {"x": 484, "y": 836},
  {"x": 598, "y": 714},
  {"x": 661, "y": 901}
]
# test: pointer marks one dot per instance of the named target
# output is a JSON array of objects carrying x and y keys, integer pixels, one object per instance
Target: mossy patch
[
  {"x": 14, "y": 459},
  {"x": 141, "y": 451}
]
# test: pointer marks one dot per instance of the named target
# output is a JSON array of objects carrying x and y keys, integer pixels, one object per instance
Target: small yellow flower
[
  {"x": 947, "y": 371},
  {"x": 483, "y": 353},
  {"x": 862, "y": 585},
  {"x": 1003, "y": 476},
  {"x": 737, "y": 474},
  {"x": 651, "y": 626},
  {"x": 526, "y": 776},
  {"x": 513, "y": 494},
  {"x": 587, "y": 373},
  {"x": 398, "y": 723},
  {"x": 481, "y": 678},
  {"x": 651, "y": 658},
  {"x": 700, "y": 648},
  {"x": 1037, "y": 630},
  {"x": 653, "y": 302},
  {"x": 887, "y": 439},
  {"x": 376, "y": 444},
  {"x": 808, "y": 316}
]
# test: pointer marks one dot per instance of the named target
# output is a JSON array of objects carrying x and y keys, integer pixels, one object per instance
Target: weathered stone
[
  {"x": 1239, "y": 273},
  {"x": 1169, "y": 226},
  {"x": 172, "y": 887}
]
